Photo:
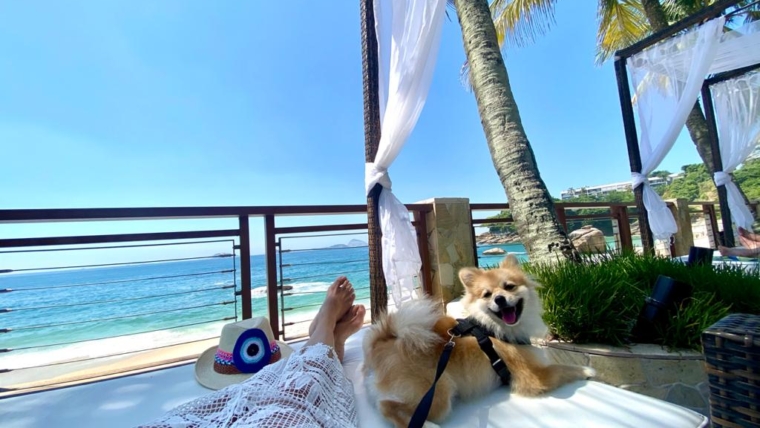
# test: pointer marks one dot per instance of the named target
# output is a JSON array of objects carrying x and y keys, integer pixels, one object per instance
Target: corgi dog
[{"x": 401, "y": 350}]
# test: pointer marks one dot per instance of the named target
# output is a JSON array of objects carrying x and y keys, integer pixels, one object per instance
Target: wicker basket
[{"x": 732, "y": 361}]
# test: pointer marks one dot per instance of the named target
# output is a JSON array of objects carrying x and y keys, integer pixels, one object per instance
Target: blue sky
[{"x": 187, "y": 103}]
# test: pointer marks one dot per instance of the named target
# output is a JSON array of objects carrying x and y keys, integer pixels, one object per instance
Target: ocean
[{"x": 81, "y": 314}]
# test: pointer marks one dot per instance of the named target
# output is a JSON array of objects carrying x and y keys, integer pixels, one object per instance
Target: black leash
[
  {"x": 463, "y": 328},
  {"x": 421, "y": 413}
]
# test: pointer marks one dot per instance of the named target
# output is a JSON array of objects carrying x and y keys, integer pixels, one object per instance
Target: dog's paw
[{"x": 589, "y": 372}]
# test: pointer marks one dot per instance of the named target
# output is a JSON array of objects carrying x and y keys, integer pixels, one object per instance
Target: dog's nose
[{"x": 500, "y": 300}]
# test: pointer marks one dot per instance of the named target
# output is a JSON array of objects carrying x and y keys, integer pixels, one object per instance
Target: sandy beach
[{"x": 73, "y": 373}]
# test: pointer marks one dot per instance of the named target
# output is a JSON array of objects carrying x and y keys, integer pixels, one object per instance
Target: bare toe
[{"x": 350, "y": 323}]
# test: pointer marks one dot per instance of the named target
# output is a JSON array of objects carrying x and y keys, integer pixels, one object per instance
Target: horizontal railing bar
[
  {"x": 200, "y": 290},
  {"x": 295, "y": 322},
  {"x": 94, "y": 214},
  {"x": 121, "y": 281},
  {"x": 102, "y": 239},
  {"x": 326, "y": 274},
  {"x": 321, "y": 249},
  {"x": 119, "y": 335},
  {"x": 321, "y": 236},
  {"x": 297, "y": 293},
  {"x": 293, "y": 308},
  {"x": 587, "y": 216},
  {"x": 110, "y": 247},
  {"x": 325, "y": 263},
  {"x": 166, "y": 311},
  {"x": 503, "y": 206},
  {"x": 323, "y": 228},
  {"x": 492, "y": 220},
  {"x": 108, "y": 356},
  {"x": 142, "y": 262}
]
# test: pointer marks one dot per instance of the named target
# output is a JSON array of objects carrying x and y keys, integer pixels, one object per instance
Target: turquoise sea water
[
  {"x": 75, "y": 314},
  {"x": 154, "y": 304}
]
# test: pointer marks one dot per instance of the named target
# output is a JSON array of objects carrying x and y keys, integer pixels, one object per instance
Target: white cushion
[{"x": 131, "y": 400}]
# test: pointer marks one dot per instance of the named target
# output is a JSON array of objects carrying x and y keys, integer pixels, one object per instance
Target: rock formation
[{"x": 588, "y": 239}]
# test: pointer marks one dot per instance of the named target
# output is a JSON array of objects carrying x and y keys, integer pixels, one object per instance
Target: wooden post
[
  {"x": 712, "y": 128},
  {"x": 561, "y": 215},
  {"x": 270, "y": 248},
  {"x": 634, "y": 155},
  {"x": 245, "y": 266},
  {"x": 420, "y": 219},
  {"x": 378, "y": 292}
]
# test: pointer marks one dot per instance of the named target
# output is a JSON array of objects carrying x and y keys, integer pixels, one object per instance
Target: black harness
[{"x": 464, "y": 327}]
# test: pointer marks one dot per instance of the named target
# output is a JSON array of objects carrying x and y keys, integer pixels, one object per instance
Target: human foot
[
  {"x": 340, "y": 290},
  {"x": 748, "y": 235},
  {"x": 748, "y": 243},
  {"x": 739, "y": 252},
  {"x": 347, "y": 325}
]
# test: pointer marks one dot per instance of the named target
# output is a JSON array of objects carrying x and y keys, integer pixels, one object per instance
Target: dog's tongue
[{"x": 509, "y": 315}]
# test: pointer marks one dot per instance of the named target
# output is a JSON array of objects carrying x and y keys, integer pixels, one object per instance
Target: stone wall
[
  {"x": 677, "y": 377},
  {"x": 450, "y": 242}
]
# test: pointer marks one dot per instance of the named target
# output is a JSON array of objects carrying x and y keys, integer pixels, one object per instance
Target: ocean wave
[
  {"x": 298, "y": 287},
  {"x": 104, "y": 347}
]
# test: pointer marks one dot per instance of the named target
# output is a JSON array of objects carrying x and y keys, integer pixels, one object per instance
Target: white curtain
[
  {"x": 737, "y": 107},
  {"x": 409, "y": 35},
  {"x": 682, "y": 62}
]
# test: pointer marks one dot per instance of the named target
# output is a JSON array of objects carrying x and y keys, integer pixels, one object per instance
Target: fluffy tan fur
[{"x": 402, "y": 349}]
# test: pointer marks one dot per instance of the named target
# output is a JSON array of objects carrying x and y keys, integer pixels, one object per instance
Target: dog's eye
[
  {"x": 487, "y": 294},
  {"x": 509, "y": 287}
]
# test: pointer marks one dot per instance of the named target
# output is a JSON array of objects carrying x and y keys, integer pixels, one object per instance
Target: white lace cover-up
[{"x": 308, "y": 389}]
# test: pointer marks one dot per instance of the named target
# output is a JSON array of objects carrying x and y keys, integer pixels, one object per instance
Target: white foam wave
[
  {"x": 109, "y": 346},
  {"x": 298, "y": 287}
]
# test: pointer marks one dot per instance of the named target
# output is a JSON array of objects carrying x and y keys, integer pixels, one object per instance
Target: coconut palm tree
[
  {"x": 529, "y": 201},
  {"x": 621, "y": 23}
]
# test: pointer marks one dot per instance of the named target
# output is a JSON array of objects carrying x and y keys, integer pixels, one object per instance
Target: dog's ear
[
  {"x": 509, "y": 262},
  {"x": 467, "y": 275}
]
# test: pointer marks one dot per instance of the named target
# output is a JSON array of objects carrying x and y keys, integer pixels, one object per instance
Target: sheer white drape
[
  {"x": 738, "y": 48},
  {"x": 737, "y": 107},
  {"x": 409, "y": 35},
  {"x": 682, "y": 62}
]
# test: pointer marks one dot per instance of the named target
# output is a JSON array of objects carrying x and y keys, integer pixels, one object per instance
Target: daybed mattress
[{"x": 131, "y": 400}]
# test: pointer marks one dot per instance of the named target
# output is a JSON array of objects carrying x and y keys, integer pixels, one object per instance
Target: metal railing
[
  {"x": 235, "y": 293},
  {"x": 620, "y": 215}
]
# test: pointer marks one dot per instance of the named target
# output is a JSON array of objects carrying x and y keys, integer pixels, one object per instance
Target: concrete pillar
[
  {"x": 449, "y": 233},
  {"x": 684, "y": 238}
]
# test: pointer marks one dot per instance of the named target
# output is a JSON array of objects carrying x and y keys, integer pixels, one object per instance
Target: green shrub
[{"x": 600, "y": 299}]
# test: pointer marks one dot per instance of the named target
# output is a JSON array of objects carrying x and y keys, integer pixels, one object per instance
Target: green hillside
[{"x": 695, "y": 185}]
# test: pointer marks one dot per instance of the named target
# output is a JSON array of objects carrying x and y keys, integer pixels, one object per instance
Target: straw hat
[{"x": 244, "y": 348}]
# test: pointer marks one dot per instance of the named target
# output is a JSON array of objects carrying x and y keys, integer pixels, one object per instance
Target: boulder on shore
[
  {"x": 588, "y": 239},
  {"x": 489, "y": 238},
  {"x": 493, "y": 251}
]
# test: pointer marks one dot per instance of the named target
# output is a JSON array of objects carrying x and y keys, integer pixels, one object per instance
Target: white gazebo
[{"x": 705, "y": 53}]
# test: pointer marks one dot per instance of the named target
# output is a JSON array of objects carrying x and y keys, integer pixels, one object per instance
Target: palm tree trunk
[
  {"x": 529, "y": 200},
  {"x": 696, "y": 122}
]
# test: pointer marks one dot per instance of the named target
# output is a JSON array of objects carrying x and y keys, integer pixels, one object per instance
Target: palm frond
[
  {"x": 621, "y": 23},
  {"x": 519, "y": 22}
]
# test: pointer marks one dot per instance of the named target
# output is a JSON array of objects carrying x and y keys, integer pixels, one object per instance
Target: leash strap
[
  {"x": 423, "y": 409},
  {"x": 466, "y": 327}
]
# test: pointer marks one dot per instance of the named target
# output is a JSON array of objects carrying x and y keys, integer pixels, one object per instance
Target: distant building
[{"x": 605, "y": 189}]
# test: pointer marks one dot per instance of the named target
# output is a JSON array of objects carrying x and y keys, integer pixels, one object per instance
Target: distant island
[
  {"x": 223, "y": 255},
  {"x": 351, "y": 244}
]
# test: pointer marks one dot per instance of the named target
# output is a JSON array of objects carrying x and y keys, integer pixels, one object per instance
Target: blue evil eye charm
[{"x": 252, "y": 352}]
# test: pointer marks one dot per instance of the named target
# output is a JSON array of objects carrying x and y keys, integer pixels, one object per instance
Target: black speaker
[
  {"x": 667, "y": 295},
  {"x": 700, "y": 256}
]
